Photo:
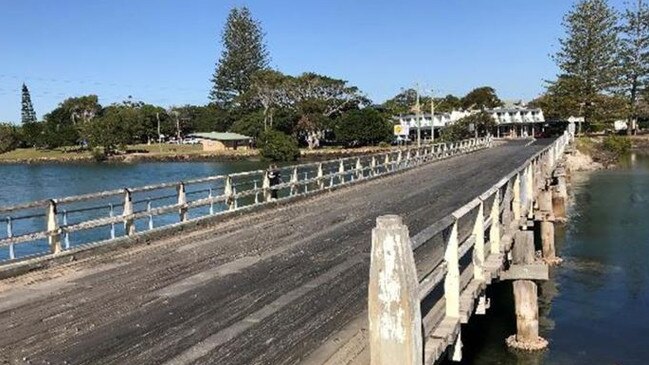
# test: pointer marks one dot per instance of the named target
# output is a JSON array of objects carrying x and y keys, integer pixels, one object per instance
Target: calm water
[
  {"x": 595, "y": 309},
  {"x": 24, "y": 183}
]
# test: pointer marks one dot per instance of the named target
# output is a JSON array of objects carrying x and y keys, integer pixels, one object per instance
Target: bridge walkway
[{"x": 263, "y": 288}]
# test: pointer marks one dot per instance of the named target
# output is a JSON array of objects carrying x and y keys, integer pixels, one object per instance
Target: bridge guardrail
[
  {"x": 49, "y": 224},
  {"x": 417, "y": 301}
]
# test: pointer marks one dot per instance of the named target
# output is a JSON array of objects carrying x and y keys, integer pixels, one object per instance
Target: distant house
[{"x": 217, "y": 141}]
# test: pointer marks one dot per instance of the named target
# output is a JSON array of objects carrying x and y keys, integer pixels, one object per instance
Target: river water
[
  {"x": 595, "y": 308},
  {"x": 20, "y": 183}
]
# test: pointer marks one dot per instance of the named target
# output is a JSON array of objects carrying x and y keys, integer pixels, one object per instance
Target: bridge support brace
[{"x": 525, "y": 299}]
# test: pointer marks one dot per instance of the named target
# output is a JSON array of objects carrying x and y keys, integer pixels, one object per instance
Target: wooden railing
[
  {"x": 422, "y": 288},
  {"x": 49, "y": 227}
]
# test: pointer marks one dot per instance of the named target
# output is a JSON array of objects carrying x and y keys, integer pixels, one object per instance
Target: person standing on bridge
[{"x": 275, "y": 178}]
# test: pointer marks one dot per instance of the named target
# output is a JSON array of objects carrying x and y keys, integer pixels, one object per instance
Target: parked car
[{"x": 191, "y": 141}]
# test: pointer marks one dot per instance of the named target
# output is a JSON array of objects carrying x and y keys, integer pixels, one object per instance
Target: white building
[
  {"x": 441, "y": 120},
  {"x": 517, "y": 115},
  {"x": 511, "y": 120}
]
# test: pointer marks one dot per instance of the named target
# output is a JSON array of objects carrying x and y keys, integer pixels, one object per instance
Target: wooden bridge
[{"x": 214, "y": 271}]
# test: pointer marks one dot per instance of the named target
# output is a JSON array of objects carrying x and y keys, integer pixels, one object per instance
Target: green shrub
[
  {"x": 384, "y": 144},
  {"x": 617, "y": 145},
  {"x": 98, "y": 154},
  {"x": 363, "y": 127},
  {"x": 277, "y": 146},
  {"x": 9, "y": 137}
]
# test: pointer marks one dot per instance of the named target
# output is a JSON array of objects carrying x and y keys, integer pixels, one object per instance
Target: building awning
[{"x": 221, "y": 136}]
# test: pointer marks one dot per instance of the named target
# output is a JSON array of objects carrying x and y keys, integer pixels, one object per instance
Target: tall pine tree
[
  {"x": 634, "y": 54},
  {"x": 244, "y": 53},
  {"x": 27, "y": 109},
  {"x": 589, "y": 50}
]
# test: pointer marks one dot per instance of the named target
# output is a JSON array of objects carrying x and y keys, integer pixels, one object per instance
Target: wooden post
[
  {"x": 530, "y": 190},
  {"x": 386, "y": 162},
  {"x": 479, "y": 256},
  {"x": 341, "y": 172},
  {"x": 294, "y": 180},
  {"x": 228, "y": 191},
  {"x": 54, "y": 237},
  {"x": 182, "y": 201},
  {"x": 320, "y": 175},
  {"x": 559, "y": 195},
  {"x": 545, "y": 220},
  {"x": 525, "y": 299},
  {"x": 129, "y": 224},
  {"x": 516, "y": 203},
  {"x": 494, "y": 230},
  {"x": 266, "y": 187},
  {"x": 452, "y": 279},
  {"x": 373, "y": 166},
  {"x": 394, "y": 312},
  {"x": 359, "y": 168}
]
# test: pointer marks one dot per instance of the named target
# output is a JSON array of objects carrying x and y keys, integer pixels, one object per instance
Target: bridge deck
[{"x": 268, "y": 287}]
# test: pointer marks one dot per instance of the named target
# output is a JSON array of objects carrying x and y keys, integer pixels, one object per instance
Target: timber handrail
[{"x": 55, "y": 220}]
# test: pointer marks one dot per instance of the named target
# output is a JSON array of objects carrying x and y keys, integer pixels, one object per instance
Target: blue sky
[{"x": 164, "y": 51}]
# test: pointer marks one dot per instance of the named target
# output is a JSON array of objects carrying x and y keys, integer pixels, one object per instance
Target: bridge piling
[
  {"x": 525, "y": 298},
  {"x": 559, "y": 194},
  {"x": 393, "y": 296},
  {"x": 545, "y": 220}
]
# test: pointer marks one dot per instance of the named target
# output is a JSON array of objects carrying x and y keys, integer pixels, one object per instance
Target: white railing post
[
  {"x": 66, "y": 237},
  {"x": 373, "y": 166},
  {"x": 182, "y": 202},
  {"x": 359, "y": 169},
  {"x": 294, "y": 180},
  {"x": 395, "y": 325},
  {"x": 12, "y": 251},
  {"x": 386, "y": 162},
  {"x": 127, "y": 212},
  {"x": 228, "y": 191},
  {"x": 494, "y": 230},
  {"x": 452, "y": 279},
  {"x": 265, "y": 186},
  {"x": 320, "y": 177},
  {"x": 530, "y": 190},
  {"x": 53, "y": 235},
  {"x": 148, "y": 209},
  {"x": 516, "y": 203},
  {"x": 341, "y": 172},
  {"x": 479, "y": 256},
  {"x": 111, "y": 214}
]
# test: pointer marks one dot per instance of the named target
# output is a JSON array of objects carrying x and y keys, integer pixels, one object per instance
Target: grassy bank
[{"x": 166, "y": 152}]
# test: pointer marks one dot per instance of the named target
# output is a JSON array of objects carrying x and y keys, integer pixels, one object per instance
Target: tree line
[
  {"x": 604, "y": 63},
  {"x": 282, "y": 112}
]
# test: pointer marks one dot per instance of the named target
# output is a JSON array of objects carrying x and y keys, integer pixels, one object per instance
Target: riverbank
[
  {"x": 170, "y": 153},
  {"x": 595, "y": 153}
]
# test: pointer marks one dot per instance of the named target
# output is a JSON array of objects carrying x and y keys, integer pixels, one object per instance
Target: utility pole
[
  {"x": 157, "y": 117},
  {"x": 432, "y": 117},
  {"x": 418, "y": 117}
]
